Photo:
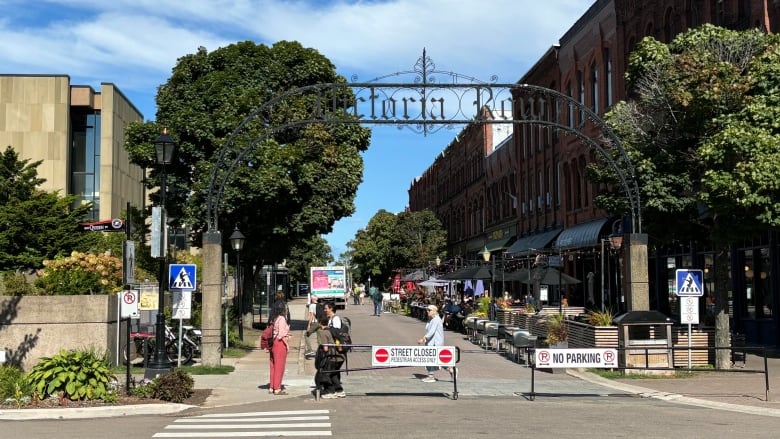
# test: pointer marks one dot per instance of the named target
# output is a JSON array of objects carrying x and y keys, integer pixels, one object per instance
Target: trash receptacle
[{"x": 645, "y": 339}]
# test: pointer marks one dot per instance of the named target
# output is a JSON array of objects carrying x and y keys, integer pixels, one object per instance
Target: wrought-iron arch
[{"x": 424, "y": 107}]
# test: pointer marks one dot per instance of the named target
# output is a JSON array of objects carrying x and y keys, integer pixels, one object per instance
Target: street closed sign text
[
  {"x": 414, "y": 356},
  {"x": 586, "y": 358}
]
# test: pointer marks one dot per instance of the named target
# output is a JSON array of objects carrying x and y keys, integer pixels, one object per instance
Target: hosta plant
[{"x": 74, "y": 374}]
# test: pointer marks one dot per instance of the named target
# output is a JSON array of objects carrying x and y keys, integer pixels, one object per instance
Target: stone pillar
[
  {"x": 635, "y": 276},
  {"x": 211, "y": 315}
]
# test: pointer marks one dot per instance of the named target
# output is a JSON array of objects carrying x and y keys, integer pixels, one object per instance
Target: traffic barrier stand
[{"x": 394, "y": 357}]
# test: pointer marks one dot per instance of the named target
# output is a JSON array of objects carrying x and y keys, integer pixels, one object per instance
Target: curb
[
  {"x": 672, "y": 397},
  {"x": 92, "y": 412}
]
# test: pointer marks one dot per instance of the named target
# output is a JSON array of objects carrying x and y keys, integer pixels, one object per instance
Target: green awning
[
  {"x": 533, "y": 242},
  {"x": 498, "y": 244},
  {"x": 581, "y": 235}
]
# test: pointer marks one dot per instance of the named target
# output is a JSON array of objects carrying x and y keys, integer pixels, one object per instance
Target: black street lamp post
[
  {"x": 487, "y": 256},
  {"x": 237, "y": 242},
  {"x": 164, "y": 146}
]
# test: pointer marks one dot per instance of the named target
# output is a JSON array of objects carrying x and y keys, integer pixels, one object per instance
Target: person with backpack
[{"x": 328, "y": 362}]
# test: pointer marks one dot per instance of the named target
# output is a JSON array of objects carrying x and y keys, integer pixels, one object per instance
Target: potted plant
[
  {"x": 600, "y": 318},
  {"x": 557, "y": 335}
]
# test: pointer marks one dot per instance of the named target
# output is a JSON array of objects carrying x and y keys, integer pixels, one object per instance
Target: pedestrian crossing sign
[
  {"x": 690, "y": 282},
  {"x": 182, "y": 277}
]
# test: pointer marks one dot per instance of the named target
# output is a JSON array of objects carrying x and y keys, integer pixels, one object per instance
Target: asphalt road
[{"x": 424, "y": 415}]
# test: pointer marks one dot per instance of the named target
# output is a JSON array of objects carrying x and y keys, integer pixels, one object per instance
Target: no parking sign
[{"x": 128, "y": 304}]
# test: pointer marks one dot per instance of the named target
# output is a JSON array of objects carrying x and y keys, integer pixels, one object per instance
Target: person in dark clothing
[{"x": 327, "y": 362}]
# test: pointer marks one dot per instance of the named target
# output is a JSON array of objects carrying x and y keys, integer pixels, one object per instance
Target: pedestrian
[
  {"x": 362, "y": 296},
  {"x": 280, "y": 297},
  {"x": 311, "y": 325},
  {"x": 376, "y": 296},
  {"x": 328, "y": 362},
  {"x": 434, "y": 336},
  {"x": 278, "y": 360},
  {"x": 334, "y": 321},
  {"x": 356, "y": 296}
]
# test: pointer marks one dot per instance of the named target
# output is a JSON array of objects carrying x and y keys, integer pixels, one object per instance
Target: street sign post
[
  {"x": 182, "y": 277},
  {"x": 129, "y": 301},
  {"x": 689, "y": 286}
]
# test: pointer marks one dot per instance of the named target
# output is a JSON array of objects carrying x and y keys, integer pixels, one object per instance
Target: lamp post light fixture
[
  {"x": 164, "y": 147},
  {"x": 615, "y": 243},
  {"x": 487, "y": 256},
  {"x": 237, "y": 242}
]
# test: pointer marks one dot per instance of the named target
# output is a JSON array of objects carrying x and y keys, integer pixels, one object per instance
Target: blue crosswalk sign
[
  {"x": 690, "y": 282},
  {"x": 182, "y": 277}
]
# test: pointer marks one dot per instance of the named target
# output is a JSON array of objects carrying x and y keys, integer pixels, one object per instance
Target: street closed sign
[{"x": 394, "y": 356}]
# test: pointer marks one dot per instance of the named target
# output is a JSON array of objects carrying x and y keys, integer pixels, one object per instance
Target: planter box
[
  {"x": 699, "y": 338},
  {"x": 583, "y": 335}
]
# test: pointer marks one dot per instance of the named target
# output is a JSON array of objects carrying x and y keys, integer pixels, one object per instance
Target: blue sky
[{"x": 134, "y": 44}]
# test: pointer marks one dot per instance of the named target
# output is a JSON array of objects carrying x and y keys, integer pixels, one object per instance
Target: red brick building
[{"x": 528, "y": 195}]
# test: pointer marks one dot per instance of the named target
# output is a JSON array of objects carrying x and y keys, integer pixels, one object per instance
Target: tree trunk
[{"x": 722, "y": 329}]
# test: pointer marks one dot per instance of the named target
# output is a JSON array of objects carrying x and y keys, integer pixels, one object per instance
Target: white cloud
[{"x": 106, "y": 40}]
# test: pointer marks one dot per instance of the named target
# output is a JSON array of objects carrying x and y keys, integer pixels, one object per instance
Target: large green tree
[
  {"x": 389, "y": 242},
  {"x": 418, "y": 239},
  {"x": 312, "y": 252},
  {"x": 291, "y": 184},
  {"x": 701, "y": 130},
  {"x": 372, "y": 249},
  {"x": 34, "y": 225}
]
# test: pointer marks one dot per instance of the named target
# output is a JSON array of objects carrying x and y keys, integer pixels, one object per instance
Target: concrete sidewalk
[{"x": 482, "y": 374}]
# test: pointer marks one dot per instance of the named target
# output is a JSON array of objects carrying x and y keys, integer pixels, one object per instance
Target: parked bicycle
[{"x": 145, "y": 342}]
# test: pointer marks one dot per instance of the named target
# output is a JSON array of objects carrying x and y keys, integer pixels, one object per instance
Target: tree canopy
[
  {"x": 390, "y": 242},
  {"x": 34, "y": 225},
  {"x": 701, "y": 131},
  {"x": 289, "y": 186}
]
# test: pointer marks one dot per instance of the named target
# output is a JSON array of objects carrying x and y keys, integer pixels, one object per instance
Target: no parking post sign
[
  {"x": 393, "y": 356},
  {"x": 128, "y": 304}
]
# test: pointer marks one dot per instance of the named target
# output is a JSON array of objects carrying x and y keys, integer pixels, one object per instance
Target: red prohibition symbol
[
  {"x": 381, "y": 355},
  {"x": 445, "y": 356},
  {"x": 128, "y": 297}
]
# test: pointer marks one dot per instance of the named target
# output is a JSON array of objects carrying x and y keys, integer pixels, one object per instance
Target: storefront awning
[
  {"x": 498, "y": 244},
  {"x": 581, "y": 235},
  {"x": 537, "y": 241}
]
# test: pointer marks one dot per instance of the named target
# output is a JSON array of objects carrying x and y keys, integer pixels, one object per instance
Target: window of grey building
[{"x": 85, "y": 160}]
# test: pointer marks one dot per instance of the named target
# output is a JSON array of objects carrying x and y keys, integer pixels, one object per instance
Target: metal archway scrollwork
[{"x": 426, "y": 106}]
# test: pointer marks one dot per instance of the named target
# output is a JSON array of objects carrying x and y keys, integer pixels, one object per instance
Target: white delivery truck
[{"x": 329, "y": 284}]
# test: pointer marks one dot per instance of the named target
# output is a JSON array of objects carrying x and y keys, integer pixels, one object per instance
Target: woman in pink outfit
[{"x": 278, "y": 360}]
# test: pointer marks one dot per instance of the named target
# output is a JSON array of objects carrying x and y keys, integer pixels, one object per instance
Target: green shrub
[
  {"x": 15, "y": 284},
  {"x": 174, "y": 387},
  {"x": 144, "y": 390},
  {"x": 77, "y": 374},
  {"x": 601, "y": 318},
  {"x": 12, "y": 380}
]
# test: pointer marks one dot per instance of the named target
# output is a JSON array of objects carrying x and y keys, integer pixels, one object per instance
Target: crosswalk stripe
[
  {"x": 278, "y": 418},
  {"x": 244, "y": 426},
  {"x": 247, "y": 434},
  {"x": 250, "y": 424},
  {"x": 277, "y": 413}
]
